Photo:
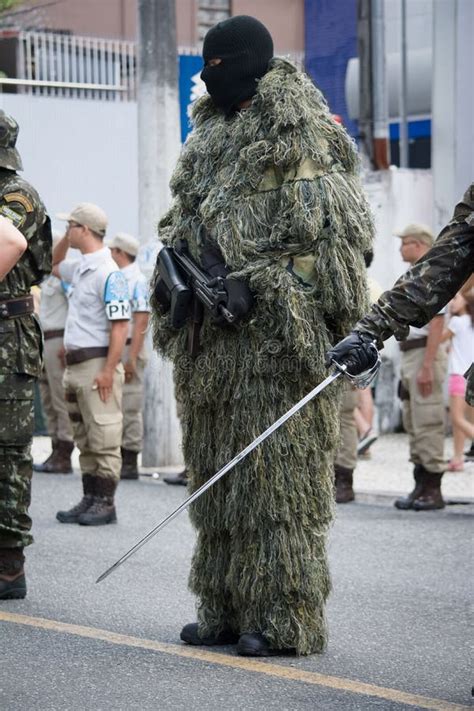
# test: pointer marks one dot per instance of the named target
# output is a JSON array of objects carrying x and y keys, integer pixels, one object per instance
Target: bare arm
[
  {"x": 104, "y": 379},
  {"x": 59, "y": 254},
  {"x": 12, "y": 243},
  {"x": 140, "y": 325},
  {"x": 425, "y": 375}
]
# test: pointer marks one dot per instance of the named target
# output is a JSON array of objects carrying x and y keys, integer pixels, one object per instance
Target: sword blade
[{"x": 225, "y": 469}]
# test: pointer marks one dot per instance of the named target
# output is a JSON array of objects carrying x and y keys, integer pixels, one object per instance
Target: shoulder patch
[
  {"x": 116, "y": 297},
  {"x": 140, "y": 297},
  {"x": 22, "y": 199},
  {"x": 15, "y": 217},
  {"x": 116, "y": 288}
]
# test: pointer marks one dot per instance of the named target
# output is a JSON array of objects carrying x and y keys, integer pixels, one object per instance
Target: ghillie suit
[{"x": 276, "y": 188}]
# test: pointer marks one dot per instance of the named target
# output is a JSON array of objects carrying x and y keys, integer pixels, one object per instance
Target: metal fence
[
  {"x": 53, "y": 61},
  {"x": 53, "y": 64}
]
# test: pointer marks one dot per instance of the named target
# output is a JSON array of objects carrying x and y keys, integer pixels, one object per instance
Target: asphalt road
[{"x": 398, "y": 616}]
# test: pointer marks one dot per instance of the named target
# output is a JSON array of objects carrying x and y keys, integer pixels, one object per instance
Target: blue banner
[
  {"x": 330, "y": 41},
  {"x": 191, "y": 87}
]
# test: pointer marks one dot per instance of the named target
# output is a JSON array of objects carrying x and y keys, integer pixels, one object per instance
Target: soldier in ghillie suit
[
  {"x": 416, "y": 297},
  {"x": 20, "y": 359},
  {"x": 267, "y": 187}
]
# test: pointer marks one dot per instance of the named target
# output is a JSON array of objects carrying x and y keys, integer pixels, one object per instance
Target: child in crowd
[{"x": 460, "y": 331}]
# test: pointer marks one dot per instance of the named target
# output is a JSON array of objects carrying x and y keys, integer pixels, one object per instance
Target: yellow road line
[{"x": 243, "y": 663}]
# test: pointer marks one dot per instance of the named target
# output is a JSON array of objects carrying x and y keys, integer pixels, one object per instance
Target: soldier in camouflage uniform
[
  {"x": 416, "y": 297},
  {"x": 20, "y": 359}
]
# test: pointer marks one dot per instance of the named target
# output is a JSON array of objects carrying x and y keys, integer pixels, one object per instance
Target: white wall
[{"x": 80, "y": 151}]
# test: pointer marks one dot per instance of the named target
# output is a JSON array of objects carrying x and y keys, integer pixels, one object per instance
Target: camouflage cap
[
  {"x": 88, "y": 215},
  {"x": 9, "y": 156},
  {"x": 418, "y": 231}
]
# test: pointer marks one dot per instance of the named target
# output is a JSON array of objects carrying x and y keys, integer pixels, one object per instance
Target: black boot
[
  {"x": 12, "y": 575},
  {"x": 430, "y": 497},
  {"x": 46, "y": 463},
  {"x": 60, "y": 460},
  {"x": 129, "y": 464},
  {"x": 256, "y": 645},
  {"x": 406, "y": 502},
  {"x": 72, "y": 516},
  {"x": 102, "y": 510},
  {"x": 190, "y": 635},
  {"x": 180, "y": 479},
  {"x": 344, "y": 490}
]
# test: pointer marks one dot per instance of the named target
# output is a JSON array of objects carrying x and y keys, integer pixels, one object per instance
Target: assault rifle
[{"x": 184, "y": 289}]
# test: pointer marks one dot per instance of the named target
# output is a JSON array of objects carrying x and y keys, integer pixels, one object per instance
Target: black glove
[
  {"x": 356, "y": 351},
  {"x": 239, "y": 297}
]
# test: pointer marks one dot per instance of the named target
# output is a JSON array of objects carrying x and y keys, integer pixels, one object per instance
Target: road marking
[{"x": 227, "y": 660}]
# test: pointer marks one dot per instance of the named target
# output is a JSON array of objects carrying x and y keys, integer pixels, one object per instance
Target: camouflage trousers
[{"x": 16, "y": 432}]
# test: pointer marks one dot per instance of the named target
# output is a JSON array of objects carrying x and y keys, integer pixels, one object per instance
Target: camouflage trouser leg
[{"x": 16, "y": 432}]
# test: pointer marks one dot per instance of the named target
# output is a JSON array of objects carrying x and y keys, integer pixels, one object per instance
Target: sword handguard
[{"x": 364, "y": 379}]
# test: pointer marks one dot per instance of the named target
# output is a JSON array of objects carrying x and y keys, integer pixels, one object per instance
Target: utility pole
[
  {"x": 373, "y": 98},
  {"x": 158, "y": 149},
  {"x": 403, "y": 140}
]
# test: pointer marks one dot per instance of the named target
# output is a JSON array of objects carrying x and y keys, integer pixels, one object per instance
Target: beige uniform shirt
[
  {"x": 53, "y": 304},
  {"x": 97, "y": 296}
]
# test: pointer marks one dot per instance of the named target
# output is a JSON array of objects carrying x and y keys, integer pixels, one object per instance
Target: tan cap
[
  {"x": 88, "y": 215},
  {"x": 419, "y": 231},
  {"x": 125, "y": 242}
]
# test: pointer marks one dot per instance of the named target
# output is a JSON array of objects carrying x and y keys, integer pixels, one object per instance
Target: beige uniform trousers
[
  {"x": 423, "y": 417},
  {"x": 97, "y": 425},
  {"x": 52, "y": 392},
  {"x": 132, "y": 407},
  {"x": 347, "y": 452}
]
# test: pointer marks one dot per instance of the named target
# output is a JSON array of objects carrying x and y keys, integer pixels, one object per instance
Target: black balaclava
[{"x": 245, "y": 47}]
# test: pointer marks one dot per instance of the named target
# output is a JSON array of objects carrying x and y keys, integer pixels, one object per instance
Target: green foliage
[{"x": 6, "y": 5}]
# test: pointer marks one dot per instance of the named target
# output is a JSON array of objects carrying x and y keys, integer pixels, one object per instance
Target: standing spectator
[
  {"x": 94, "y": 339},
  {"x": 21, "y": 210},
  {"x": 346, "y": 458},
  {"x": 124, "y": 249},
  {"x": 52, "y": 315},
  {"x": 365, "y": 410},
  {"x": 460, "y": 331},
  {"x": 423, "y": 370}
]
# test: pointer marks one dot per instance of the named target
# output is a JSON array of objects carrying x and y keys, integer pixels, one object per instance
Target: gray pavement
[{"x": 398, "y": 614}]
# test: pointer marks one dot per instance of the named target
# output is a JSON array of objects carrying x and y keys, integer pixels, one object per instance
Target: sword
[{"x": 340, "y": 369}]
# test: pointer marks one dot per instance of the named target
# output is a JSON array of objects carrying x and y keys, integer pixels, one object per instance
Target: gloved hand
[
  {"x": 239, "y": 297},
  {"x": 355, "y": 351}
]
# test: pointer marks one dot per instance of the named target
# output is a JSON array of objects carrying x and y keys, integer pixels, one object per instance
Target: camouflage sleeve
[
  {"x": 18, "y": 206},
  {"x": 420, "y": 293}
]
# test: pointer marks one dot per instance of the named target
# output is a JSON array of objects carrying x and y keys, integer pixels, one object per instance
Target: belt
[
  {"x": 413, "y": 343},
  {"x": 19, "y": 306},
  {"x": 79, "y": 355},
  {"x": 53, "y": 334}
]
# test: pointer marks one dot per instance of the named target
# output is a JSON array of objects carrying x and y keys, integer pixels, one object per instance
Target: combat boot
[
  {"x": 344, "y": 490},
  {"x": 72, "y": 516},
  {"x": 48, "y": 460},
  {"x": 180, "y": 479},
  {"x": 102, "y": 510},
  {"x": 406, "y": 502},
  {"x": 430, "y": 497},
  {"x": 190, "y": 635},
  {"x": 129, "y": 464},
  {"x": 12, "y": 575},
  {"x": 60, "y": 461},
  {"x": 255, "y": 644}
]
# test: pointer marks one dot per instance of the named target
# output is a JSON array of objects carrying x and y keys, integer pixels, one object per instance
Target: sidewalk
[{"x": 387, "y": 474}]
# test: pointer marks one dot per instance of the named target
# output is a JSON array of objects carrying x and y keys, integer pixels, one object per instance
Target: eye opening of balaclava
[{"x": 245, "y": 47}]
